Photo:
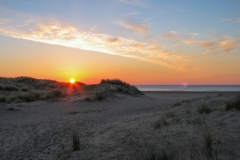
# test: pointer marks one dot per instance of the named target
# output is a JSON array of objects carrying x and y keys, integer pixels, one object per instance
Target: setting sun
[{"x": 72, "y": 80}]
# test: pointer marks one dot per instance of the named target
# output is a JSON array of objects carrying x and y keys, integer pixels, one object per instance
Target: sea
[{"x": 190, "y": 88}]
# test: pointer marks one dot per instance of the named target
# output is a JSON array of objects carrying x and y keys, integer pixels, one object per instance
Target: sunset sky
[{"x": 137, "y": 41}]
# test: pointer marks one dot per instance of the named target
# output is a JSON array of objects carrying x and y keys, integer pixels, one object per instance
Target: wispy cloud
[
  {"x": 4, "y": 21},
  {"x": 94, "y": 27},
  {"x": 135, "y": 3},
  {"x": 225, "y": 20},
  {"x": 132, "y": 13},
  {"x": 130, "y": 24},
  {"x": 69, "y": 36},
  {"x": 225, "y": 44},
  {"x": 149, "y": 19},
  {"x": 231, "y": 19}
]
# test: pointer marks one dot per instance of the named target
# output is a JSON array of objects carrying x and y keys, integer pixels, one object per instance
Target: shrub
[
  {"x": 203, "y": 108},
  {"x": 234, "y": 104}
]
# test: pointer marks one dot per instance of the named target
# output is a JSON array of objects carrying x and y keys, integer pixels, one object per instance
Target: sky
[{"x": 171, "y": 42}]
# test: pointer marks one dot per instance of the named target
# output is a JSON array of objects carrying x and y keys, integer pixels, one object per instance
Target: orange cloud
[
  {"x": 225, "y": 45},
  {"x": 65, "y": 35}
]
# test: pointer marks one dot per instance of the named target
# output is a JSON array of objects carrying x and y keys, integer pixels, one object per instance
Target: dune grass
[
  {"x": 114, "y": 81},
  {"x": 204, "y": 108},
  {"x": 123, "y": 87},
  {"x": 234, "y": 104},
  {"x": 208, "y": 139},
  {"x": 173, "y": 152},
  {"x": 159, "y": 123},
  {"x": 27, "y": 89},
  {"x": 75, "y": 141}
]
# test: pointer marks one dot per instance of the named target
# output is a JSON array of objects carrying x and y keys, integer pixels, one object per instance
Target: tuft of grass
[
  {"x": 160, "y": 122},
  {"x": 234, "y": 104},
  {"x": 100, "y": 97},
  {"x": 177, "y": 104},
  {"x": 203, "y": 108},
  {"x": 75, "y": 141},
  {"x": 208, "y": 139}
]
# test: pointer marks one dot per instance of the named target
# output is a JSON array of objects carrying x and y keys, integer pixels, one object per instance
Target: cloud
[
  {"x": 223, "y": 45},
  {"x": 5, "y": 21},
  {"x": 216, "y": 46},
  {"x": 133, "y": 26},
  {"x": 225, "y": 20},
  {"x": 135, "y": 3},
  {"x": 170, "y": 35},
  {"x": 149, "y": 19},
  {"x": 229, "y": 45},
  {"x": 132, "y": 13},
  {"x": 231, "y": 19},
  {"x": 65, "y": 35}
]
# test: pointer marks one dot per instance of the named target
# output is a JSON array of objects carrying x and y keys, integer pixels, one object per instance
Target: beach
[{"x": 120, "y": 128}]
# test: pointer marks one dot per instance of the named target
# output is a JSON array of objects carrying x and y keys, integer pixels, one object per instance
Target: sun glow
[{"x": 72, "y": 81}]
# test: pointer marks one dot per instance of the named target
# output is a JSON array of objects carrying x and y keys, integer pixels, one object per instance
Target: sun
[{"x": 72, "y": 81}]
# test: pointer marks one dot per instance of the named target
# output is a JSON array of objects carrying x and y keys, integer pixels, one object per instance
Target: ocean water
[{"x": 190, "y": 88}]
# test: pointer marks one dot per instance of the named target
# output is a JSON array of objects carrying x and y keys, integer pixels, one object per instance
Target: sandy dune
[{"x": 119, "y": 127}]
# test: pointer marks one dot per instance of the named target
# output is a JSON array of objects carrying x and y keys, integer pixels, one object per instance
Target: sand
[{"x": 119, "y": 127}]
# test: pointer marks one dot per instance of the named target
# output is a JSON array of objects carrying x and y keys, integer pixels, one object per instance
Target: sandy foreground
[{"x": 117, "y": 128}]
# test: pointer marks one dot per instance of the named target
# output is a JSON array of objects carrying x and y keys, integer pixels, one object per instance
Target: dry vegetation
[{"x": 26, "y": 89}]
